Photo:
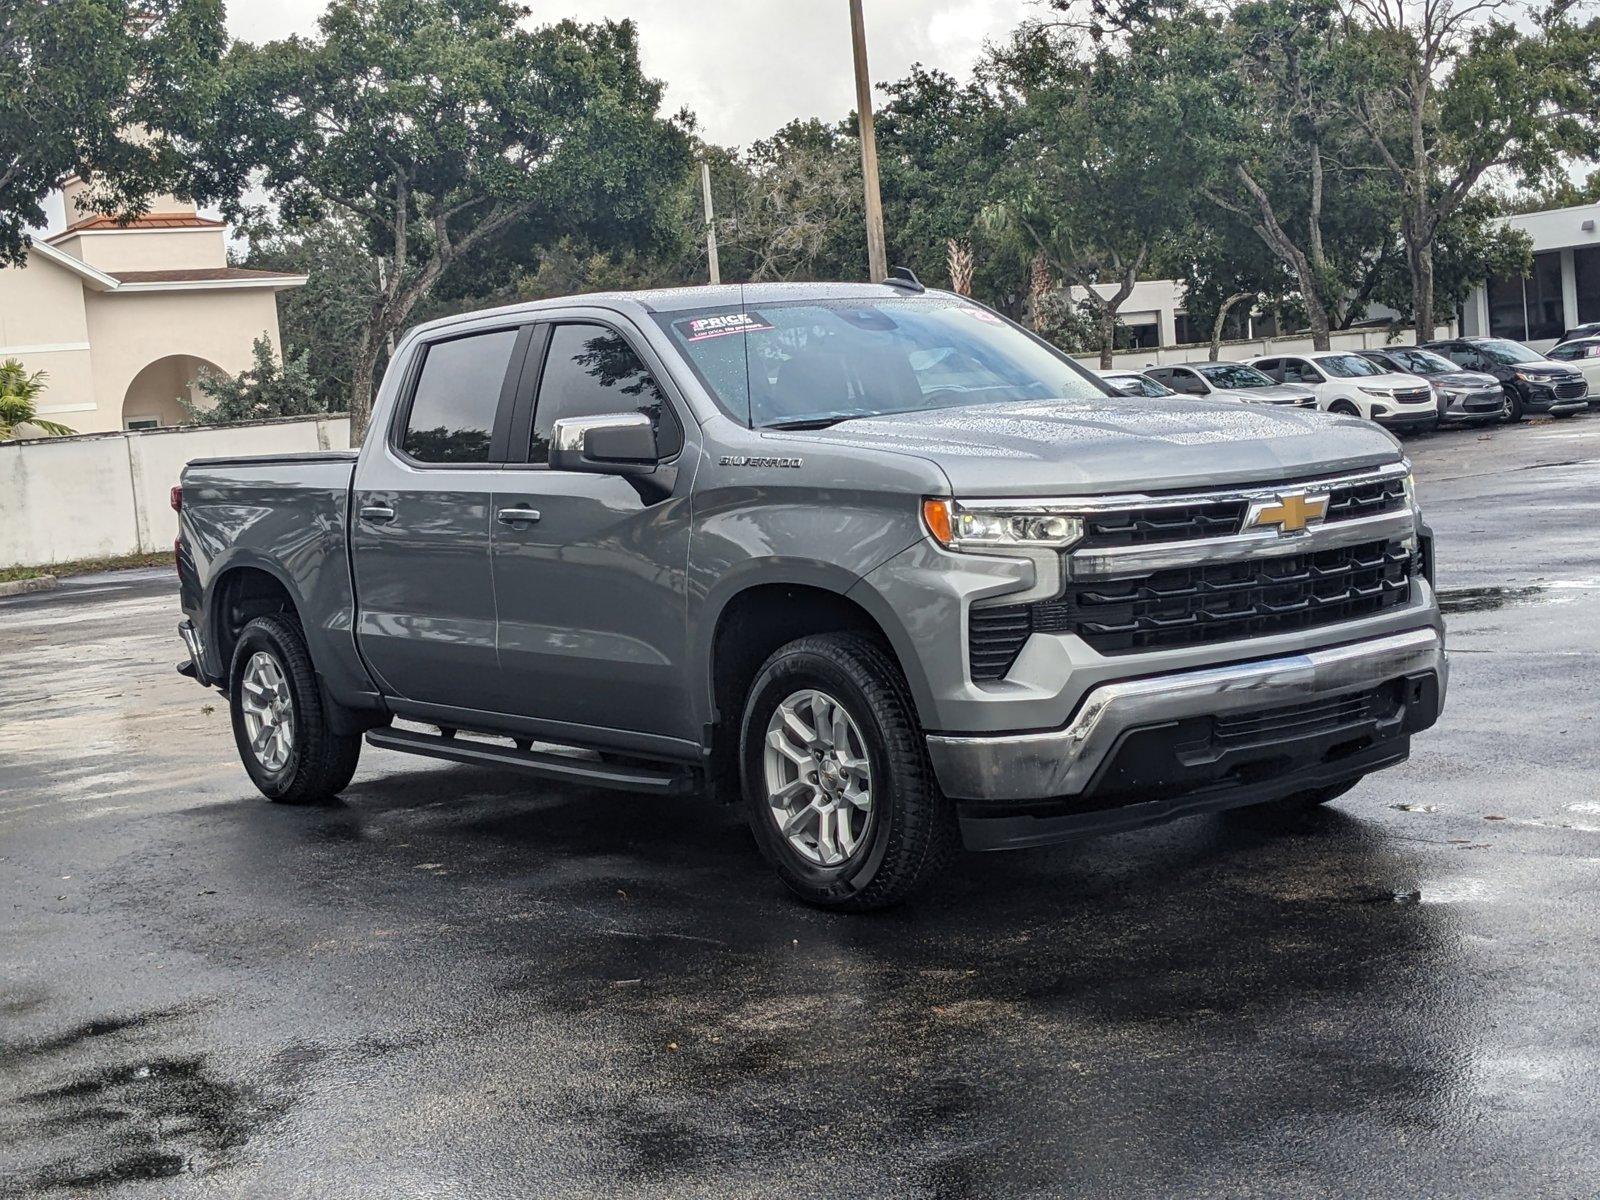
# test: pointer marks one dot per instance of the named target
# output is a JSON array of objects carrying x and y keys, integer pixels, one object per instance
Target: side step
[{"x": 549, "y": 766}]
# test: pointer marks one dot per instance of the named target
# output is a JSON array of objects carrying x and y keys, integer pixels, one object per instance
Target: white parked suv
[
  {"x": 1231, "y": 381},
  {"x": 1582, "y": 355},
  {"x": 1345, "y": 382}
]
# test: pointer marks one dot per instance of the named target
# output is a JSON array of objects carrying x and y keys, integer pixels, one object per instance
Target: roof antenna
[{"x": 904, "y": 277}]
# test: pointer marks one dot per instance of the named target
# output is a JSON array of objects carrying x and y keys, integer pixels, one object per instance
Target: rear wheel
[
  {"x": 282, "y": 733},
  {"x": 839, "y": 792}
]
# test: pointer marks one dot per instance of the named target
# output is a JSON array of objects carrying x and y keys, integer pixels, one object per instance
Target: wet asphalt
[{"x": 459, "y": 983}]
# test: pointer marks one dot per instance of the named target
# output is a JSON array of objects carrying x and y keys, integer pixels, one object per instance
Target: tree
[
  {"x": 1448, "y": 95},
  {"x": 1095, "y": 178},
  {"x": 441, "y": 129},
  {"x": 1262, "y": 89},
  {"x": 19, "y": 395},
  {"x": 323, "y": 320},
  {"x": 1470, "y": 246},
  {"x": 260, "y": 392},
  {"x": 116, "y": 88}
]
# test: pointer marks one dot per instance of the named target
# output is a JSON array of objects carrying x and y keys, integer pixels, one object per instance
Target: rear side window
[
  {"x": 591, "y": 370},
  {"x": 456, "y": 399}
]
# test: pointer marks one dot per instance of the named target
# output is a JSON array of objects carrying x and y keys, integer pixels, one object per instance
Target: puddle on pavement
[{"x": 1486, "y": 599}]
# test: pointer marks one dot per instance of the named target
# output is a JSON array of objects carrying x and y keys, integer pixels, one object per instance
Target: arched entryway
[{"x": 152, "y": 399}]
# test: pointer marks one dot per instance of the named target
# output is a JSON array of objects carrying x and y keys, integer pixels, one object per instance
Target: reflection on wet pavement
[{"x": 458, "y": 983}]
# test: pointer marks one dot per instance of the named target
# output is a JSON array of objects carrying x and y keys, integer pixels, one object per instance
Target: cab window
[
  {"x": 590, "y": 370},
  {"x": 453, "y": 406}
]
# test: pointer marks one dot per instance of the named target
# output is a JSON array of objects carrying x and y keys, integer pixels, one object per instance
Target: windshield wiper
[{"x": 817, "y": 422}]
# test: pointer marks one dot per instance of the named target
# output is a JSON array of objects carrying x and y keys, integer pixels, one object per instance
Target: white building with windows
[
  {"x": 1562, "y": 291},
  {"x": 124, "y": 317}
]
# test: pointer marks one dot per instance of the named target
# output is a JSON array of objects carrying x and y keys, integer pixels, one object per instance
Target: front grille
[
  {"x": 1156, "y": 523},
  {"x": 1484, "y": 401},
  {"x": 1202, "y": 604},
  {"x": 1174, "y": 523},
  {"x": 1366, "y": 499},
  {"x": 1303, "y": 720},
  {"x": 1413, "y": 396},
  {"x": 1571, "y": 390}
]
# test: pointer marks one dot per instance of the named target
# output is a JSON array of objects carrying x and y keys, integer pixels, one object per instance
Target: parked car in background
[
  {"x": 1344, "y": 382},
  {"x": 1463, "y": 397},
  {"x": 1532, "y": 382},
  {"x": 1231, "y": 381},
  {"x": 1132, "y": 383},
  {"x": 1583, "y": 356},
  {"x": 1587, "y": 330}
]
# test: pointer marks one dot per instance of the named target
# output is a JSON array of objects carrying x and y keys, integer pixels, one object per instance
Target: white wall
[
  {"x": 63, "y": 499},
  {"x": 1344, "y": 339}
]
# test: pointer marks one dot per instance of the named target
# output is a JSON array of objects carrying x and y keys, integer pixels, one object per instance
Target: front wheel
[
  {"x": 282, "y": 733},
  {"x": 1513, "y": 412},
  {"x": 840, "y": 794},
  {"x": 1344, "y": 408}
]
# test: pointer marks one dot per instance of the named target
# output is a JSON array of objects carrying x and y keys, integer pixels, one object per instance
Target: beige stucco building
[{"x": 125, "y": 317}]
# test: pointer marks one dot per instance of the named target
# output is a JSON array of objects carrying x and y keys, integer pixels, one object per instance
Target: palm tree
[{"x": 19, "y": 393}]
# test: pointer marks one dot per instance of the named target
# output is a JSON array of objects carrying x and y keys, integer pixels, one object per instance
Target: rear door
[
  {"x": 421, "y": 519},
  {"x": 590, "y": 569}
]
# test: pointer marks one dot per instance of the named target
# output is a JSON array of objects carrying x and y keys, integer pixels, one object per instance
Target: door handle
[
  {"x": 517, "y": 516},
  {"x": 376, "y": 512}
]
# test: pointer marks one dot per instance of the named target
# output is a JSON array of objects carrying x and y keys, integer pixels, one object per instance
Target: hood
[
  {"x": 1547, "y": 368},
  {"x": 1394, "y": 381},
  {"x": 1464, "y": 379},
  {"x": 1117, "y": 444},
  {"x": 1278, "y": 393}
]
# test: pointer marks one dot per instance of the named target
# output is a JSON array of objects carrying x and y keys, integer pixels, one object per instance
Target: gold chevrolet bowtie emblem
[{"x": 1291, "y": 513}]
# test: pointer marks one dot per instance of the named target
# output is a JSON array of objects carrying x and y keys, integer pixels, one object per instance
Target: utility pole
[
  {"x": 711, "y": 222},
  {"x": 877, "y": 259}
]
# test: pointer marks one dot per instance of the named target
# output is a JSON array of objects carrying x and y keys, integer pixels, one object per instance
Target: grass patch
[{"x": 88, "y": 566}]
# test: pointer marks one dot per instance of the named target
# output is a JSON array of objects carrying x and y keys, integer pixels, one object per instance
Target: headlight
[
  {"x": 1525, "y": 377},
  {"x": 1383, "y": 393},
  {"x": 957, "y": 527},
  {"x": 1409, "y": 483}
]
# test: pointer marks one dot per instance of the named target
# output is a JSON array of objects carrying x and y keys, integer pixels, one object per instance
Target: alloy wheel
[
  {"x": 268, "y": 711},
  {"x": 818, "y": 777}
]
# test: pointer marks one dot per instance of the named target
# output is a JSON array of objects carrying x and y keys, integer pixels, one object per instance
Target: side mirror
[{"x": 608, "y": 444}]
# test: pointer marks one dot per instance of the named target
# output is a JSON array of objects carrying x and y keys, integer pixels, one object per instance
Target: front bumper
[
  {"x": 1131, "y": 738},
  {"x": 1414, "y": 416},
  {"x": 1472, "y": 408}
]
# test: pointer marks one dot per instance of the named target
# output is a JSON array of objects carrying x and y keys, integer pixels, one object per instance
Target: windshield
[
  {"x": 817, "y": 362},
  {"x": 1234, "y": 375},
  {"x": 1423, "y": 362},
  {"x": 1138, "y": 385},
  {"x": 1348, "y": 366},
  {"x": 1502, "y": 351}
]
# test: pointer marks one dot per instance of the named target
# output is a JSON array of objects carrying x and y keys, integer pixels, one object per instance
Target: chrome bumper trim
[
  {"x": 191, "y": 643},
  {"x": 1061, "y": 762},
  {"x": 1241, "y": 547}
]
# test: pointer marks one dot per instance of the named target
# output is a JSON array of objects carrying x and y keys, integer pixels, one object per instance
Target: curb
[{"x": 21, "y": 587}]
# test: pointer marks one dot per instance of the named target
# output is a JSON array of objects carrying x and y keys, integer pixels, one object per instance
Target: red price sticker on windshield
[
  {"x": 981, "y": 314},
  {"x": 698, "y": 329}
]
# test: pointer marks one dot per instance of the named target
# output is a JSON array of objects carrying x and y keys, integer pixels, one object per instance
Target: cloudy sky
[{"x": 745, "y": 66}]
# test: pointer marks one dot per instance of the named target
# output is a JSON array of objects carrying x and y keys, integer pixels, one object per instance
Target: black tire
[
  {"x": 910, "y": 830},
  {"x": 1513, "y": 406},
  {"x": 320, "y": 763},
  {"x": 1318, "y": 796},
  {"x": 1344, "y": 408}
]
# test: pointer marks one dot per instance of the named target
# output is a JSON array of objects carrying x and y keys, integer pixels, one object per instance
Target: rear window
[
  {"x": 814, "y": 363},
  {"x": 452, "y": 413}
]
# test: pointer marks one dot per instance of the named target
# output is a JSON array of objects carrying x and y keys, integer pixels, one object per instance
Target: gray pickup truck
[{"x": 871, "y": 560}]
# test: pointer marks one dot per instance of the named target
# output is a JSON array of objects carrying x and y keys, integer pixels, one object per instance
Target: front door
[
  {"x": 591, "y": 588},
  {"x": 421, "y": 519}
]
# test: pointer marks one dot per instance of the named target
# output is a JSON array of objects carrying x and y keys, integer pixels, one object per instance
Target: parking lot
[{"x": 456, "y": 982}]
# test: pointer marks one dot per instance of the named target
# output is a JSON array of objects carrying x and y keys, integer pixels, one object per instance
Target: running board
[{"x": 549, "y": 766}]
